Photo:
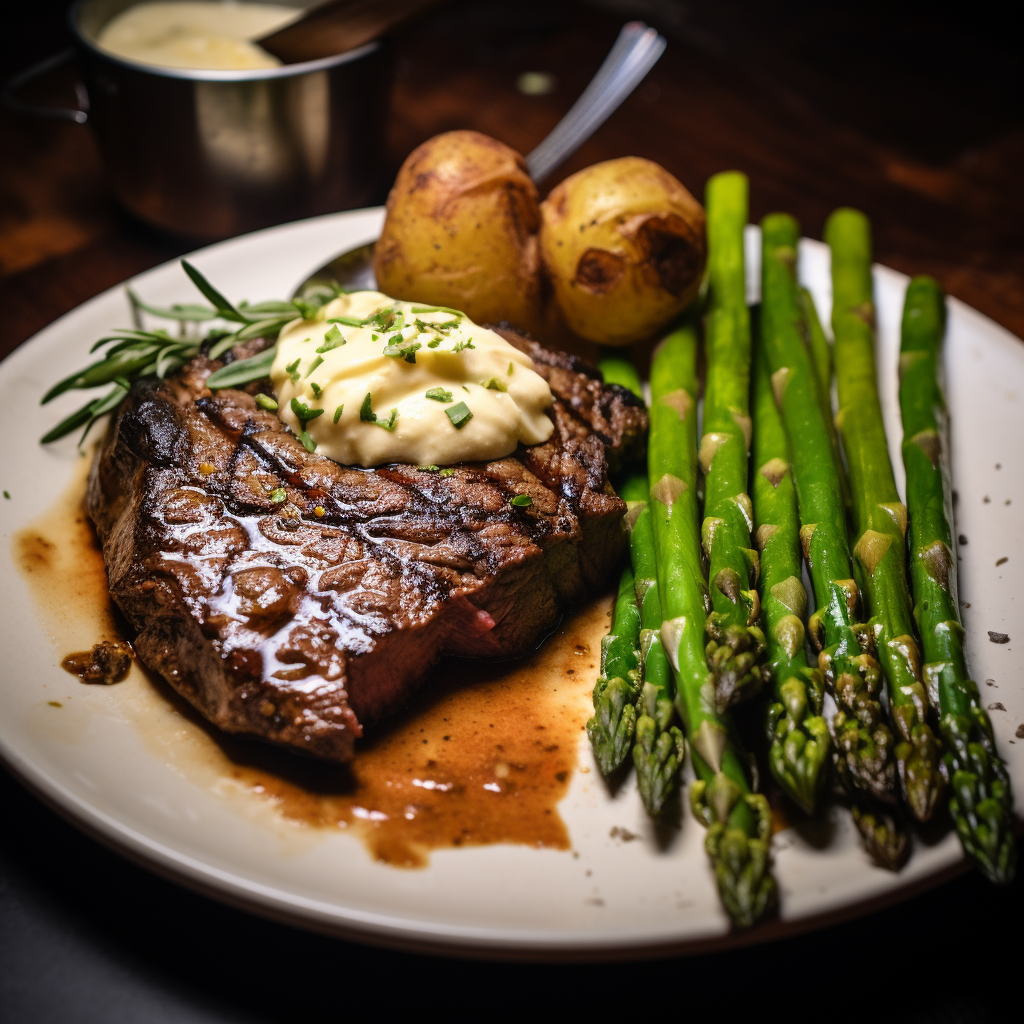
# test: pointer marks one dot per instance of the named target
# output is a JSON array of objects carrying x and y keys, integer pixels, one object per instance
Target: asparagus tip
[
  {"x": 732, "y": 655},
  {"x": 658, "y": 755},
  {"x": 613, "y": 724},
  {"x": 884, "y": 834}
]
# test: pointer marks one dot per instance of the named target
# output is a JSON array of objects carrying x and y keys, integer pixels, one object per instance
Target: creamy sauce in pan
[{"x": 484, "y": 755}]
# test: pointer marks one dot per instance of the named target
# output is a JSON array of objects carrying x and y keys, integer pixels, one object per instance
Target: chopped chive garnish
[
  {"x": 460, "y": 345},
  {"x": 511, "y": 366},
  {"x": 400, "y": 349},
  {"x": 317, "y": 390},
  {"x": 278, "y": 494},
  {"x": 338, "y": 412},
  {"x": 447, "y": 471},
  {"x": 266, "y": 402},
  {"x": 367, "y": 415},
  {"x": 332, "y": 339},
  {"x": 316, "y": 362},
  {"x": 292, "y": 369},
  {"x": 428, "y": 469},
  {"x": 464, "y": 388},
  {"x": 433, "y": 343},
  {"x": 493, "y": 384},
  {"x": 307, "y": 442},
  {"x": 437, "y": 309},
  {"x": 439, "y": 395},
  {"x": 304, "y": 413},
  {"x": 459, "y": 415},
  {"x": 347, "y": 321},
  {"x": 522, "y": 501}
]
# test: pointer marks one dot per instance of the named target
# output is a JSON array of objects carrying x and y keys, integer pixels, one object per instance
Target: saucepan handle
[{"x": 18, "y": 82}]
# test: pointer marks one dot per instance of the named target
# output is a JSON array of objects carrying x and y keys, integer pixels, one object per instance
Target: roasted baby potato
[
  {"x": 461, "y": 231},
  {"x": 623, "y": 245}
]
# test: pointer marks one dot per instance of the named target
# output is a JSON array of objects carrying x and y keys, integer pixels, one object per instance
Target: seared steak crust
[{"x": 294, "y": 599}]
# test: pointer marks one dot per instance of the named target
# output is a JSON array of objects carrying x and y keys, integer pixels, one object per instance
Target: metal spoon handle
[{"x": 635, "y": 52}]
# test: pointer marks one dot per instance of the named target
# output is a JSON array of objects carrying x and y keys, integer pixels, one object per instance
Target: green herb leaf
[
  {"x": 400, "y": 349},
  {"x": 348, "y": 321},
  {"x": 317, "y": 390},
  {"x": 511, "y": 367},
  {"x": 266, "y": 402},
  {"x": 332, "y": 339},
  {"x": 177, "y": 311},
  {"x": 242, "y": 371},
  {"x": 338, "y": 412},
  {"x": 307, "y": 442},
  {"x": 278, "y": 494},
  {"x": 448, "y": 471},
  {"x": 493, "y": 384},
  {"x": 224, "y": 308},
  {"x": 428, "y": 469},
  {"x": 438, "y": 309},
  {"x": 460, "y": 345},
  {"x": 304, "y": 413},
  {"x": 367, "y": 415},
  {"x": 125, "y": 363},
  {"x": 459, "y": 415},
  {"x": 433, "y": 343},
  {"x": 522, "y": 501},
  {"x": 316, "y": 362},
  {"x": 439, "y": 395},
  {"x": 262, "y": 329}
]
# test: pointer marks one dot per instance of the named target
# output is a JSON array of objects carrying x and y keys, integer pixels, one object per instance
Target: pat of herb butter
[{"x": 409, "y": 360}]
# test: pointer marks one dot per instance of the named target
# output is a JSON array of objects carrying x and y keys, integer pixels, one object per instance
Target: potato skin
[
  {"x": 461, "y": 231},
  {"x": 623, "y": 245}
]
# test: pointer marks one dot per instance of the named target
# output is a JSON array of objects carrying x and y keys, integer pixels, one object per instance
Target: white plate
[{"x": 607, "y": 896}]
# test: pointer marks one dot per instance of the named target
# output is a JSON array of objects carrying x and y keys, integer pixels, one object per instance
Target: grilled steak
[{"x": 297, "y": 600}]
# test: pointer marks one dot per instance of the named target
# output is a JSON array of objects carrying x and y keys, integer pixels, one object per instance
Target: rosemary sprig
[{"x": 133, "y": 353}]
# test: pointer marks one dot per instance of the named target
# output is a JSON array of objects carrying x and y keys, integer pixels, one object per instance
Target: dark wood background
[{"x": 915, "y": 118}]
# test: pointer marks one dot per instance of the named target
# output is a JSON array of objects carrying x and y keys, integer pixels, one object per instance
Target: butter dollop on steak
[{"x": 297, "y": 600}]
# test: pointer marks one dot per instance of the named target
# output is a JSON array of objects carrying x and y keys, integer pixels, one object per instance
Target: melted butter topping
[{"x": 374, "y": 380}]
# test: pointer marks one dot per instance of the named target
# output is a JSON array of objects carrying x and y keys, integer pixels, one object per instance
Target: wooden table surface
[{"x": 917, "y": 122}]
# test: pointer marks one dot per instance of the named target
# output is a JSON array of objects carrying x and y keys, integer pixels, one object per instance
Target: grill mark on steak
[{"x": 301, "y": 621}]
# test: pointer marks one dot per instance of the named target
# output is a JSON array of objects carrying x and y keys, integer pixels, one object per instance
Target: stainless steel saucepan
[{"x": 211, "y": 154}]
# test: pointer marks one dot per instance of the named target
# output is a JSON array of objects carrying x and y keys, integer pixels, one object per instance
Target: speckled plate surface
[{"x": 117, "y": 762}]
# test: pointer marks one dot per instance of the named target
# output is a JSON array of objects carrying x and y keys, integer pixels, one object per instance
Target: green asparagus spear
[
  {"x": 883, "y": 833},
  {"x": 980, "y": 799},
  {"x": 659, "y": 747},
  {"x": 613, "y": 723},
  {"x": 821, "y": 356},
  {"x": 880, "y": 518},
  {"x": 797, "y": 733},
  {"x": 862, "y": 741},
  {"x": 735, "y": 641},
  {"x": 738, "y": 820}
]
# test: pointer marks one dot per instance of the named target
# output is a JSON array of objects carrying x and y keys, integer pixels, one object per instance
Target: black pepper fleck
[
  {"x": 998, "y": 638},
  {"x": 962, "y": 539},
  {"x": 1002, "y": 561},
  {"x": 996, "y": 706}
]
